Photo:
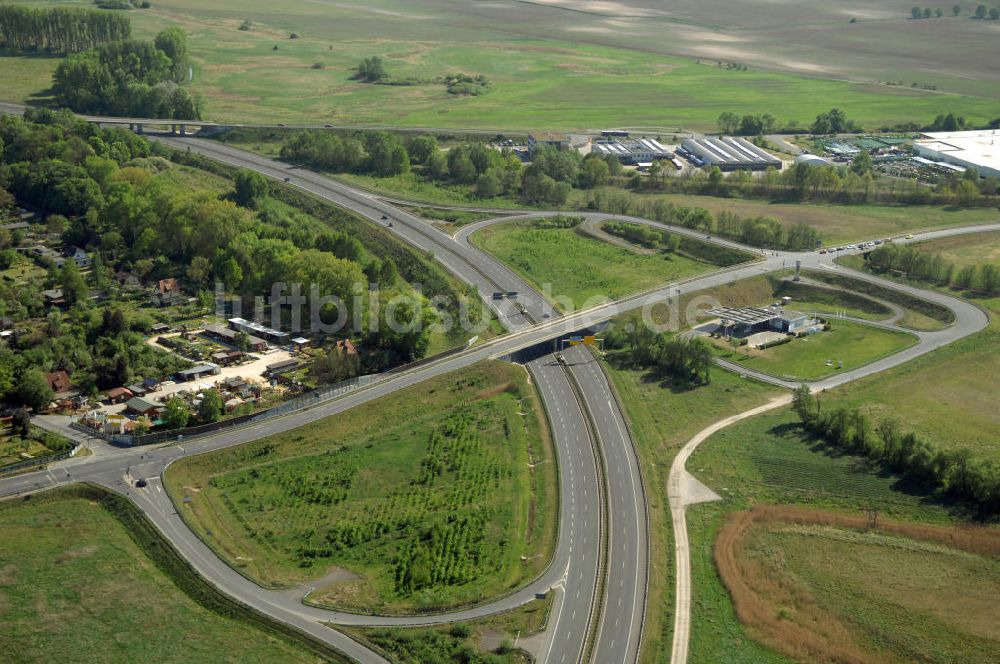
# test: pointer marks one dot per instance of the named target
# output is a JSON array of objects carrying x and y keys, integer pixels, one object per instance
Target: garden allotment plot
[{"x": 426, "y": 499}]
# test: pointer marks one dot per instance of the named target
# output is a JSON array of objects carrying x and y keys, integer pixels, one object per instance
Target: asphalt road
[
  {"x": 534, "y": 323},
  {"x": 623, "y": 610}
]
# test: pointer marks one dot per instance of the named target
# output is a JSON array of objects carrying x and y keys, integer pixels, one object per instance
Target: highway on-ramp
[{"x": 532, "y": 320}]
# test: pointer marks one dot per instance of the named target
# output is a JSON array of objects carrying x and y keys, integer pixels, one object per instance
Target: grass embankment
[
  {"x": 437, "y": 496},
  {"x": 827, "y": 587},
  {"x": 486, "y": 641},
  {"x": 663, "y": 417},
  {"x": 768, "y": 460},
  {"x": 846, "y": 345},
  {"x": 963, "y": 250},
  {"x": 84, "y": 577},
  {"x": 920, "y": 314},
  {"x": 573, "y": 268}
]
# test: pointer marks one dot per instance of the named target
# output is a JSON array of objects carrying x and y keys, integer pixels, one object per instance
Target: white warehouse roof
[{"x": 979, "y": 149}]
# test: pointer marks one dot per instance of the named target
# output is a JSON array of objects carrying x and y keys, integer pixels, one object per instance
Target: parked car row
[{"x": 862, "y": 246}]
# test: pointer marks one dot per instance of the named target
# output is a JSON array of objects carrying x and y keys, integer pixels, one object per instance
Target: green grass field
[
  {"x": 76, "y": 586},
  {"x": 847, "y": 345},
  {"x": 875, "y": 593},
  {"x": 565, "y": 264},
  {"x": 661, "y": 420},
  {"x": 947, "y": 396},
  {"x": 422, "y": 500},
  {"x": 962, "y": 250},
  {"x": 767, "y": 460},
  {"x": 554, "y": 70},
  {"x": 837, "y": 224}
]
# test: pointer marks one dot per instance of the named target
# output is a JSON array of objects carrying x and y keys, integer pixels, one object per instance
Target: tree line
[
  {"x": 130, "y": 78},
  {"x": 928, "y": 266},
  {"x": 59, "y": 29},
  {"x": 834, "y": 121},
  {"x": 548, "y": 180},
  {"x": 953, "y": 472},
  {"x": 759, "y": 231}
]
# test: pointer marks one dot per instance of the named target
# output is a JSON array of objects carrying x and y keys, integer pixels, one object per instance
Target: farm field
[
  {"x": 852, "y": 344},
  {"x": 825, "y": 586},
  {"x": 662, "y": 419},
  {"x": 767, "y": 460},
  {"x": 542, "y": 59},
  {"x": 76, "y": 585},
  {"x": 402, "y": 504},
  {"x": 552, "y": 260}
]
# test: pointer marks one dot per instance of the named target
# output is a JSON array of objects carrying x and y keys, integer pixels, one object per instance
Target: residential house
[
  {"x": 79, "y": 256},
  {"x": 167, "y": 292},
  {"x": 144, "y": 406},
  {"x": 54, "y": 297},
  {"x": 118, "y": 395},
  {"x": 59, "y": 381}
]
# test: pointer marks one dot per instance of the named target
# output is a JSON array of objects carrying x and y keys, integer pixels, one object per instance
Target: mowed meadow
[
  {"x": 439, "y": 495},
  {"x": 580, "y": 80}
]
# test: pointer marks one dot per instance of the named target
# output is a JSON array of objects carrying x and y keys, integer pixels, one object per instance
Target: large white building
[{"x": 968, "y": 149}]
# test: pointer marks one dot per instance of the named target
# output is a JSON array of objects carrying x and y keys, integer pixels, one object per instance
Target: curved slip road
[{"x": 488, "y": 275}]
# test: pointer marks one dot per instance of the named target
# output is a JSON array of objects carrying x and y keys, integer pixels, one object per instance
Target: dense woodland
[
  {"x": 60, "y": 30},
  {"x": 107, "y": 190},
  {"x": 130, "y": 78}
]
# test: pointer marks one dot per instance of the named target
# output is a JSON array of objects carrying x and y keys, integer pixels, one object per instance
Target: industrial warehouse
[
  {"x": 965, "y": 149},
  {"x": 729, "y": 154},
  {"x": 633, "y": 150}
]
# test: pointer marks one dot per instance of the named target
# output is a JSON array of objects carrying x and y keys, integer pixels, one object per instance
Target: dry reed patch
[{"x": 781, "y": 613}]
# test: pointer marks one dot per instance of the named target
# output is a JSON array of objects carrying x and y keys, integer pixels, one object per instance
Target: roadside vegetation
[
  {"x": 573, "y": 268},
  {"x": 967, "y": 264},
  {"x": 20, "y": 441},
  {"x": 438, "y": 496},
  {"x": 485, "y": 641},
  {"x": 86, "y": 560},
  {"x": 845, "y": 345}
]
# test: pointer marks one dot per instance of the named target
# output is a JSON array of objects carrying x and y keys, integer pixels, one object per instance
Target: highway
[{"x": 532, "y": 320}]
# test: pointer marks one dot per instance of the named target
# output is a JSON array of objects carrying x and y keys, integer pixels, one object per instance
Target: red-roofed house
[
  {"x": 59, "y": 381},
  {"x": 167, "y": 292}
]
